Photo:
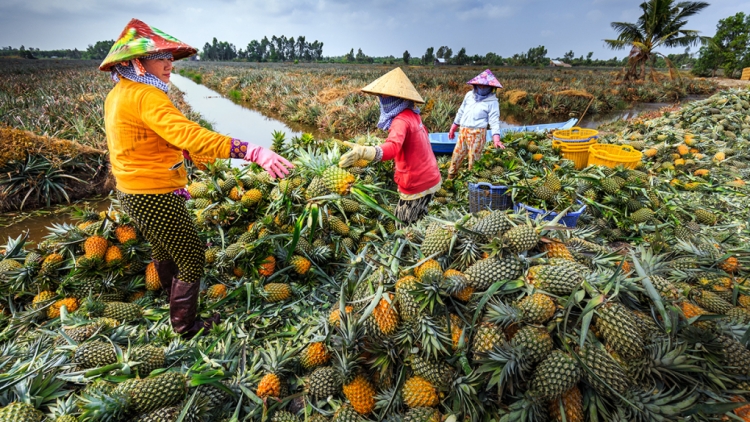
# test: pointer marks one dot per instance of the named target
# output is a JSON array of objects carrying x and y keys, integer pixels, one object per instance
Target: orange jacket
[{"x": 146, "y": 135}]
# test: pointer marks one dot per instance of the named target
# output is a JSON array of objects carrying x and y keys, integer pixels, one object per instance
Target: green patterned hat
[{"x": 138, "y": 40}]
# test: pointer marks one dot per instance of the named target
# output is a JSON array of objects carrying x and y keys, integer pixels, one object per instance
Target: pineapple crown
[{"x": 277, "y": 357}]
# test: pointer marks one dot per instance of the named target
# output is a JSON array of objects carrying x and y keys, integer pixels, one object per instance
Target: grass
[{"x": 328, "y": 97}]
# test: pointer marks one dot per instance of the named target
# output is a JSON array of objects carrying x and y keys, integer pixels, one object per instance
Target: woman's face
[{"x": 161, "y": 68}]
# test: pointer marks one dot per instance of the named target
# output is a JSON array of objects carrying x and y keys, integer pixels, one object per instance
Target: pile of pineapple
[{"x": 332, "y": 311}]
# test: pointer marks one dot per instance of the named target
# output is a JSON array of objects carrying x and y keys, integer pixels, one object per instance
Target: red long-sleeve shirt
[{"x": 409, "y": 146}]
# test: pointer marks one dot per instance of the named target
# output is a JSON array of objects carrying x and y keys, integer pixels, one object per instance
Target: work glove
[
  {"x": 452, "y": 132},
  {"x": 358, "y": 152},
  {"x": 496, "y": 141},
  {"x": 274, "y": 164}
]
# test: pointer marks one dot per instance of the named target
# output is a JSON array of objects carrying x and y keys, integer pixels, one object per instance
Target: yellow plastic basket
[
  {"x": 614, "y": 155},
  {"x": 577, "y": 152},
  {"x": 575, "y": 134}
]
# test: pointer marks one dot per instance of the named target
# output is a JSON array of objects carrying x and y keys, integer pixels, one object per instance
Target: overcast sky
[{"x": 379, "y": 27}]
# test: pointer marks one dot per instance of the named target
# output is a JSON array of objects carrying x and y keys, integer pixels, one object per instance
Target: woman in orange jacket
[{"x": 146, "y": 137}]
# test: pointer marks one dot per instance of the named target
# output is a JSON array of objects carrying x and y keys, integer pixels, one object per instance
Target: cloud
[{"x": 379, "y": 27}]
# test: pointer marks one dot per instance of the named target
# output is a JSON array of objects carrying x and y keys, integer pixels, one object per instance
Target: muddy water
[
  {"x": 230, "y": 118},
  {"x": 37, "y": 222}
]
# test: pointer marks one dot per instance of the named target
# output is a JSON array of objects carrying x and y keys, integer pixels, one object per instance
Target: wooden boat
[{"x": 442, "y": 145}]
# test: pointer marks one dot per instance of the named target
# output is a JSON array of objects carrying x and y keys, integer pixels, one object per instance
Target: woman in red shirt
[{"x": 417, "y": 174}]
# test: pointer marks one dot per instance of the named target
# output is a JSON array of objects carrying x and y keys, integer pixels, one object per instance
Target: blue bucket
[{"x": 485, "y": 196}]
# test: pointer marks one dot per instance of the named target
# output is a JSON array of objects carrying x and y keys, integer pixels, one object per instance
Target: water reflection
[{"x": 229, "y": 118}]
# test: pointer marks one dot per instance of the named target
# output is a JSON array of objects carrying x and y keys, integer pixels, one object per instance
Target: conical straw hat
[
  {"x": 485, "y": 78},
  {"x": 394, "y": 84},
  {"x": 139, "y": 39}
]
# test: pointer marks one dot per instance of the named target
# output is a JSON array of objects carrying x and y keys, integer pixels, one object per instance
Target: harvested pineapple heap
[{"x": 330, "y": 312}]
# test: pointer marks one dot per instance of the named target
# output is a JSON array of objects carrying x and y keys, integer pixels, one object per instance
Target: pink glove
[
  {"x": 452, "y": 132},
  {"x": 274, "y": 164},
  {"x": 496, "y": 140}
]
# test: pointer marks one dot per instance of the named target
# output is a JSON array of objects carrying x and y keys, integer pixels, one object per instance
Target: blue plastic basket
[
  {"x": 569, "y": 220},
  {"x": 485, "y": 196}
]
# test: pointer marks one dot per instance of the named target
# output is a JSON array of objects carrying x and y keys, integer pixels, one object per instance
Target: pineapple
[
  {"x": 437, "y": 240},
  {"x": 314, "y": 355},
  {"x": 418, "y": 392},
  {"x": 216, "y": 292},
  {"x": 493, "y": 224},
  {"x": 276, "y": 359},
  {"x": 125, "y": 233},
  {"x": 113, "y": 255},
  {"x": 150, "y": 358},
  {"x": 42, "y": 298},
  {"x": 122, "y": 311},
  {"x": 430, "y": 270},
  {"x": 95, "y": 247},
  {"x": 51, "y": 263},
  {"x": 269, "y": 386},
  {"x": 268, "y": 266},
  {"x": 537, "y": 308},
  {"x": 462, "y": 290},
  {"x": 557, "y": 250},
  {"x": 706, "y": 217},
  {"x": 485, "y": 272},
  {"x": 276, "y": 292},
  {"x": 152, "y": 277},
  {"x": 316, "y": 188},
  {"x": 335, "y": 317},
  {"x": 323, "y": 382},
  {"x": 149, "y": 394},
  {"x": 350, "y": 206},
  {"x": 486, "y": 338},
  {"x": 20, "y": 412},
  {"x": 384, "y": 318},
  {"x": 301, "y": 264},
  {"x": 337, "y": 180},
  {"x": 711, "y": 301},
  {"x": 557, "y": 280},
  {"x": 70, "y": 303},
  {"x": 643, "y": 215},
  {"x": 619, "y": 328},
  {"x": 198, "y": 190},
  {"x": 609, "y": 373},
  {"x": 251, "y": 198},
  {"x": 571, "y": 404},
  {"x": 338, "y": 226},
  {"x": 284, "y": 416},
  {"x": 533, "y": 343},
  {"x": 422, "y": 414},
  {"x": 437, "y": 373},
  {"x": 555, "y": 375},
  {"x": 521, "y": 238},
  {"x": 7, "y": 265},
  {"x": 95, "y": 354},
  {"x": 361, "y": 394},
  {"x": 407, "y": 304},
  {"x": 347, "y": 413},
  {"x": 610, "y": 186}
]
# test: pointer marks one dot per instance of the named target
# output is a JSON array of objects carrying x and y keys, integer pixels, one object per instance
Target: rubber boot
[
  {"x": 183, "y": 309},
  {"x": 167, "y": 271}
]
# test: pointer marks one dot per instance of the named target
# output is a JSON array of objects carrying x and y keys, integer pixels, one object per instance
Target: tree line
[
  {"x": 277, "y": 49},
  {"x": 96, "y": 51}
]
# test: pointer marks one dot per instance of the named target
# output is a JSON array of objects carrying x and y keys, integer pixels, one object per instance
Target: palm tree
[{"x": 661, "y": 25}]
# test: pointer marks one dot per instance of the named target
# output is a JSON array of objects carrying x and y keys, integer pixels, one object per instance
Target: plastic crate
[
  {"x": 575, "y": 134},
  {"x": 577, "y": 152},
  {"x": 614, "y": 155},
  {"x": 484, "y": 196},
  {"x": 569, "y": 220}
]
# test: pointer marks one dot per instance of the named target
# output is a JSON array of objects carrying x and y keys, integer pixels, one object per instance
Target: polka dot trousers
[{"x": 166, "y": 224}]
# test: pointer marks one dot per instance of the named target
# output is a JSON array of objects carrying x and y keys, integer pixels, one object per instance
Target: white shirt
[{"x": 477, "y": 115}]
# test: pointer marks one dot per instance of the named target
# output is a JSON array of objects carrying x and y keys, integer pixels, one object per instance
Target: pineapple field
[
  {"x": 328, "y": 97},
  {"x": 333, "y": 311}
]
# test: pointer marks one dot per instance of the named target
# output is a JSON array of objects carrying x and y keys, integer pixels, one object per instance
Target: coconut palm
[{"x": 661, "y": 25}]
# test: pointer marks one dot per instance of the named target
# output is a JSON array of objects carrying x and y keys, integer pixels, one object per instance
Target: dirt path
[{"x": 731, "y": 83}]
